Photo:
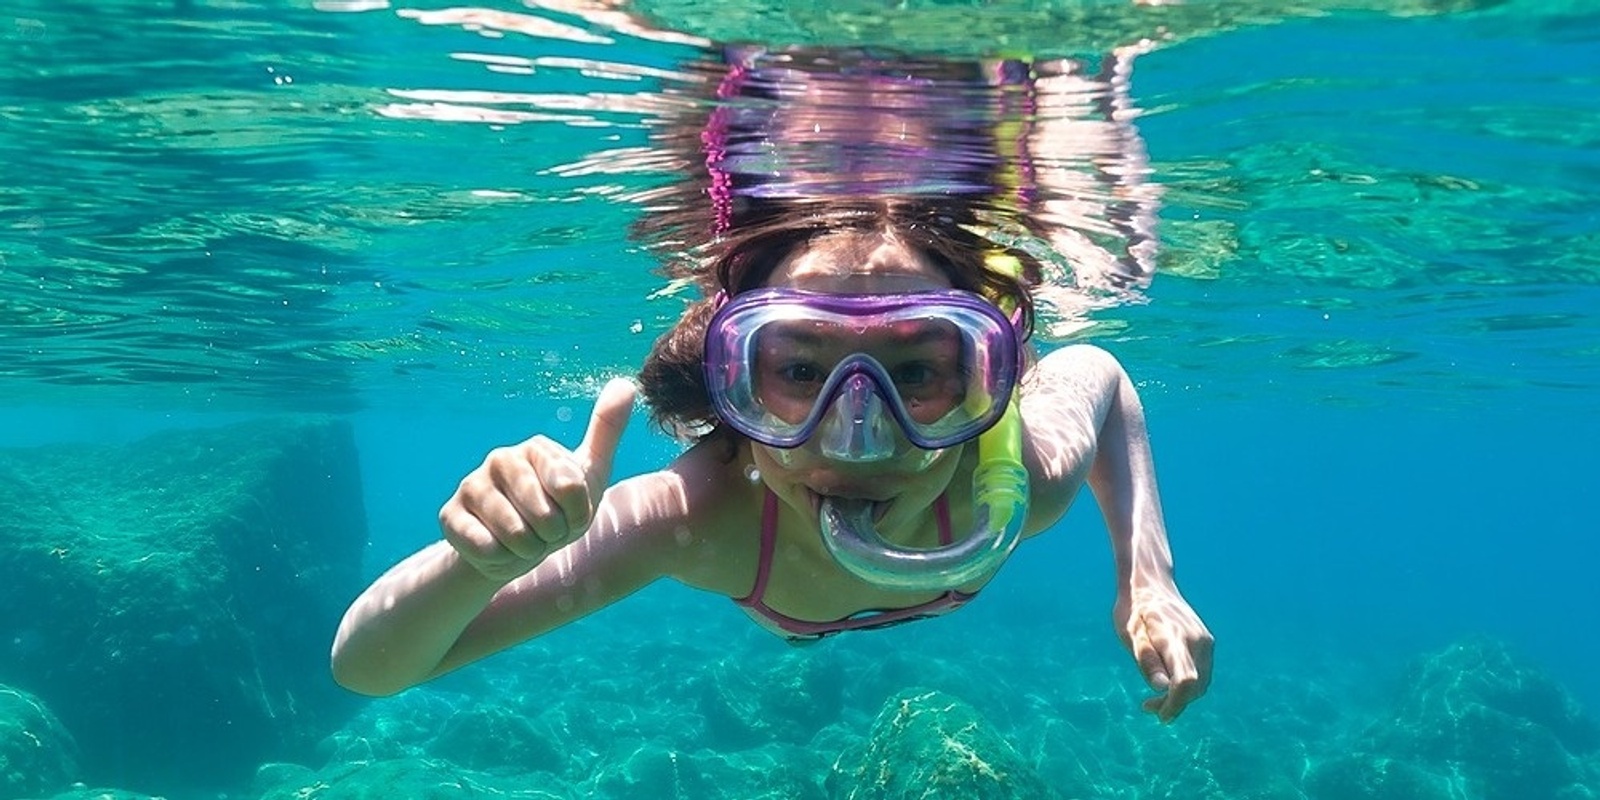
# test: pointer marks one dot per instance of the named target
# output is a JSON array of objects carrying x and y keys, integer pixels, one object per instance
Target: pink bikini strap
[
  {"x": 941, "y": 513},
  {"x": 769, "y": 537}
]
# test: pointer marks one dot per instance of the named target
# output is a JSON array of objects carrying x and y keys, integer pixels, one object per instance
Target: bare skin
[{"x": 533, "y": 539}]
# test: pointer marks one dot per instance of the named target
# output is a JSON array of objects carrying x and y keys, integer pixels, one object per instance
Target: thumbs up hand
[{"x": 529, "y": 500}]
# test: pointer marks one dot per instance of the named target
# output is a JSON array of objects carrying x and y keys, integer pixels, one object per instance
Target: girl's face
[{"x": 904, "y": 486}]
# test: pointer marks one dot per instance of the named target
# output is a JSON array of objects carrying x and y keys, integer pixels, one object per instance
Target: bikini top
[{"x": 801, "y": 630}]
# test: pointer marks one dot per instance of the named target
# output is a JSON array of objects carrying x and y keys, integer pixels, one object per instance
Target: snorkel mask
[{"x": 869, "y": 377}]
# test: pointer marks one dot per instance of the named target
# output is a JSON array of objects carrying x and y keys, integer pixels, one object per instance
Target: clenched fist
[{"x": 529, "y": 500}]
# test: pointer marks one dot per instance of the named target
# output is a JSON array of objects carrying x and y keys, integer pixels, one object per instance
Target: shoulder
[
  {"x": 681, "y": 519},
  {"x": 1070, "y": 390},
  {"x": 1066, "y": 397},
  {"x": 1081, "y": 370}
]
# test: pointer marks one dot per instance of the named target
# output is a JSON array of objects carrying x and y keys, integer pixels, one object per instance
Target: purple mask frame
[{"x": 727, "y": 363}]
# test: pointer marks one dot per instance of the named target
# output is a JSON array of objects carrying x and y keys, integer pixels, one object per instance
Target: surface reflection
[
  {"x": 240, "y": 202},
  {"x": 1043, "y": 157}
]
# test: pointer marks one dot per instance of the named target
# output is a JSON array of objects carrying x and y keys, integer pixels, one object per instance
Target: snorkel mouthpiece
[
  {"x": 858, "y": 427},
  {"x": 1000, "y": 503}
]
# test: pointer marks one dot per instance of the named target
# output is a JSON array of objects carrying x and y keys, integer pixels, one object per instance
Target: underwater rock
[
  {"x": 1213, "y": 767},
  {"x": 410, "y": 779},
  {"x": 172, "y": 599},
  {"x": 1360, "y": 776},
  {"x": 37, "y": 755},
  {"x": 928, "y": 744},
  {"x": 488, "y": 736},
  {"x": 757, "y": 698},
  {"x": 87, "y": 793},
  {"x": 1506, "y": 729},
  {"x": 654, "y": 770},
  {"x": 1082, "y": 745},
  {"x": 395, "y": 727}
]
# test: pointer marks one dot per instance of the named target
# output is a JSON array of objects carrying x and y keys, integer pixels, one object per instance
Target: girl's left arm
[{"x": 1085, "y": 423}]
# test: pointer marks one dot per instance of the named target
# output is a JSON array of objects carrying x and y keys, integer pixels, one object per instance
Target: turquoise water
[{"x": 1369, "y": 355}]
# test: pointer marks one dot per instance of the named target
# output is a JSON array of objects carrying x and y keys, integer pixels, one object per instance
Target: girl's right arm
[
  {"x": 434, "y": 611},
  {"x": 399, "y": 630},
  {"x": 517, "y": 535}
]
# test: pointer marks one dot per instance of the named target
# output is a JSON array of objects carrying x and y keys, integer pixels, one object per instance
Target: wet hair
[{"x": 672, "y": 379}]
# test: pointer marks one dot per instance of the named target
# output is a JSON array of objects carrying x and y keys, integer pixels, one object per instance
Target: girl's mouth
[{"x": 879, "y": 507}]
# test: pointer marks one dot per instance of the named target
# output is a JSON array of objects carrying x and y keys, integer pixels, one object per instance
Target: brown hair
[{"x": 672, "y": 379}]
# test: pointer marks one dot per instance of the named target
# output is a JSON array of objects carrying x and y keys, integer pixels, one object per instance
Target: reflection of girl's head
[
  {"x": 799, "y": 141},
  {"x": 744, "y": 258},
  {"x": 820, "y": 124},
  {"x": 1041, "y": 157}
]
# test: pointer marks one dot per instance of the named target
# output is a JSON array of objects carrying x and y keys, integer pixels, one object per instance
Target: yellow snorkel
[
  {"x": 1000, "y": 483},
  {"x": 999, "y": 509}
]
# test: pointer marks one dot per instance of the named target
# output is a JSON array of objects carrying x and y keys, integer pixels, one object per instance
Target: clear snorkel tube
[{"x": 999, "y": 507}]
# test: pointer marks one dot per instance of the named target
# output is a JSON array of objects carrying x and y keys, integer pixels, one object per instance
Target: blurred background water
[{"x": 1369, "y": 351}]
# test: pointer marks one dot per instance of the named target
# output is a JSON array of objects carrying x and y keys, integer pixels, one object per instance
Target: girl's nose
[{"x": 858, "y": 427}]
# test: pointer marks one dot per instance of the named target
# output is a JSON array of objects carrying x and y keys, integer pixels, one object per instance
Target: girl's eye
[
  {"x": 913, "y": 373},
  {"x": 800, "y": 372}
]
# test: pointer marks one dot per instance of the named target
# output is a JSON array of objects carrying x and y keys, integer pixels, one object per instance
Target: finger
[
  {"x": 1154, "y": 704},
  {"x": 537, "y": 527},
  {"x": 1155, "y": 669},
  {"x": 1160, "y": 703},
  {"x": 472, "y": 539},
  {"x": 518, "y": 520},
  {"x": 546, "y": 488},
  {"x": 1190, "y": 690},
  {"x": 606, "y": 424},
  {"x": 1177, "y": 699},
  {"x": 1186, "y": 683},
  {"x": 1151, "y": 664}
]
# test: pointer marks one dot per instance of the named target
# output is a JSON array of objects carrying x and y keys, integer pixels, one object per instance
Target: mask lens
[
  {"x": 927, "y": 362},
  {"x": 943, "y": 363},
  {"x": 792, "y": 361},
  {"x": 923, "y": 360}
]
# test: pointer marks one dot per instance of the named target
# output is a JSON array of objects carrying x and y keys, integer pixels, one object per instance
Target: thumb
[
  {"x": 606, "y": 424},
  {"x": 1155, "y": 670},
  {"x": 1151, "y": 662}
]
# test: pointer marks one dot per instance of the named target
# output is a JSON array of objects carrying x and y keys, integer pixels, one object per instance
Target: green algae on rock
[{"x": 928, "y": 744}]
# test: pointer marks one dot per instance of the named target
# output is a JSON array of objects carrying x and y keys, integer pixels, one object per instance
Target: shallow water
[{"x": 1364, "y": 329}]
